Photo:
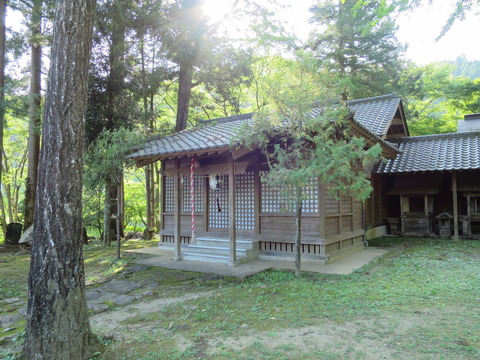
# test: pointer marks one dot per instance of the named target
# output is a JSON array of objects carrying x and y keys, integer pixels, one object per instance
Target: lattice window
[
  {"x": 276, "y": 199},
  {"x": 218, "y": 210},
  {"x": 310, "y": 204},
  {"x": 198, "y": 185},
  {"x": 245, "y": 201},
  {"x": 169, "y": 194}
]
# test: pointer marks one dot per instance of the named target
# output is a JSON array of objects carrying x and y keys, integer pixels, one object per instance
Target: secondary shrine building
[{"x": 237, "y": 217}]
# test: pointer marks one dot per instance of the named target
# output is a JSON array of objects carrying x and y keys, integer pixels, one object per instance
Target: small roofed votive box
[{"x": 444, "y": 224}]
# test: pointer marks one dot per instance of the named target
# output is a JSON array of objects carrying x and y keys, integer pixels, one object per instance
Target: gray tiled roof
[
  {"x": 213, "y": 135},
  {"x": 216, "y": 134},
  {"x": 444, "y": 152},
  {"x": 377, "y": 113}
]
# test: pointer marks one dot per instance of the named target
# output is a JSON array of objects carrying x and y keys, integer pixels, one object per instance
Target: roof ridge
[
  {"x": 225, "y": 119},
  {"x": 375, "y": 98},
  {"x": 202, "y": 122},
  {"x": 437, "y": 136}
]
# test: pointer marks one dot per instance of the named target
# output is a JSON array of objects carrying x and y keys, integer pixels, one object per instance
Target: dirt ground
[{"x": 368, "y": 338}]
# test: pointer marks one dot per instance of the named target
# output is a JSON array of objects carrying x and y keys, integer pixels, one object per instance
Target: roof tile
[{"x": 456, "y": 151}]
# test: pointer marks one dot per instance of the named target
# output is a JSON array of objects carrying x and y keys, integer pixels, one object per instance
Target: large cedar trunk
[
  {"x": 184, "y": 92},
  {"x": 3, "y": 10},
  {"x": 34, "y": 114},
  {"x": 57, "y": 319}
]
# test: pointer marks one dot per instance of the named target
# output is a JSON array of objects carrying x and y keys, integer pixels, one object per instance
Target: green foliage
[
  {"x": 356, "y": 44},
  {"x": 462, "y": 7},
  {"x": 300, "y": 146},
  {"x": 105, "y": 160},
  {"x": 13, "y": 166},
  {"x": 135, "y": 204},
  {"x": 463, "y": 67},
  {"x": 106, "y": 156},
  {"x": 435, "y": 99}
]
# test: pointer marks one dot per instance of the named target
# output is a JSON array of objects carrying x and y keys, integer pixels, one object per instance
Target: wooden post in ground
[
  {"x": 455, "y": 206},
  {"x": 176, "y": 216},
  {"x": 232, "y": 213}
]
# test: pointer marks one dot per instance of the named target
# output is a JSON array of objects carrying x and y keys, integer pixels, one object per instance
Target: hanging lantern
[{"x": 215, "y": 182}]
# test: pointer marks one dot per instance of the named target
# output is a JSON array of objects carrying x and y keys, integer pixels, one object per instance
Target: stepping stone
[
  {"x": 121, "y": 286},
  {"x": 123, "y": 300}
]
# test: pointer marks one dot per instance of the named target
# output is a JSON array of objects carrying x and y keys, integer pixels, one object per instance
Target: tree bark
[
  {"x": 34, "y": 114},
  {"x": 57, "y": 319},
  {"x": 298, "y": 231},
  {"x": 184, "y": 93},
  {"x": 3, "y": 11}
]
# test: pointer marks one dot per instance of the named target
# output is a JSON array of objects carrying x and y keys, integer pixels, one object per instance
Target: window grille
[
  {"x": 169, "y": 194},
  {"x": 198, "y": 185},
  {"x": 245, "y": 201},
  {"x": 275, "y": 200},
  {"x": 310, "y": 203}
]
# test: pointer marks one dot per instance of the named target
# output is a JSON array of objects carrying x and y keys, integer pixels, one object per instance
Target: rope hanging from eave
[{"x": 192, "y": 197}]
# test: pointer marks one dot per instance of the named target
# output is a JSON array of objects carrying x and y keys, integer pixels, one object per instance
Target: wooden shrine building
[
  {"x": 433, "y": 186},
  {"x": 428, "y": 186},
  {"x": 234, "y": 221}
]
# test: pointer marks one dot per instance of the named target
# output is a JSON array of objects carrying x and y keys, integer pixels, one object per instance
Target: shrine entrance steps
[{"x": 217, "y": 250}]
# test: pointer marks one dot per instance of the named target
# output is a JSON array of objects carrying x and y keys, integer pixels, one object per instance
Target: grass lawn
[{"x": 419, "y": 301}]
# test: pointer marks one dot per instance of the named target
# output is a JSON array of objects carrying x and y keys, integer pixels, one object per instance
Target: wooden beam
[
  {"x": 176, "y": 216},
  {"x": 231, "y": 213},
  {"x": 397, "y": 121},
  {"x": 455, "y": 205},
  {"x": 240, "y": 152}
]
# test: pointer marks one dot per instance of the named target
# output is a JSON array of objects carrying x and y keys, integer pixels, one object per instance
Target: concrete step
[
  {"x": 212, "y": 249},
  {"x": 225, "y": 243},
  {"x": 198, "y": 256},
  {"x": 217, "y": 249}
]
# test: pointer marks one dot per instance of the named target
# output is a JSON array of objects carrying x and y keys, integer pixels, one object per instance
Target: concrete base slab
[{"x": 345, "y": 265}]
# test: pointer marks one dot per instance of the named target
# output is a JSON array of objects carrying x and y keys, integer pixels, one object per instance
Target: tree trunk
[
  {"x": 34, "y": 114},
  {"x": 149, "y": 129},
  {"x": 298, "y": 230},
  {"x": 3, "y": 11},
  {"x": 149, "y": 192},
  {"x": 119, "y": 217},
  {"x": 110, "y": 224},
  {"x": 115, "y": 87},
  {"x": 158, "y": 211},
  {"x": 57, "y": 320},
  {"x": 184, "y": 92}
]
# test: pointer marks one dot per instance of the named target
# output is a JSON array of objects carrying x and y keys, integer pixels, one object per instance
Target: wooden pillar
[
  {"x": 364, "y": 221},
  {"x": 257, "y": 200},
  {"x": 403, "y": 203},
  {"x": 455, "y": 206},
  {"x": 322, "y": 213},
  {"x": 206, "y": 205},
  {"x": 232, "y": 212},
  {"x": 176, "y": 215}
]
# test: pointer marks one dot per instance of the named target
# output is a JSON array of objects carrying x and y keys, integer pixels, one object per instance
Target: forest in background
[{"x": 163, "y": 66}]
